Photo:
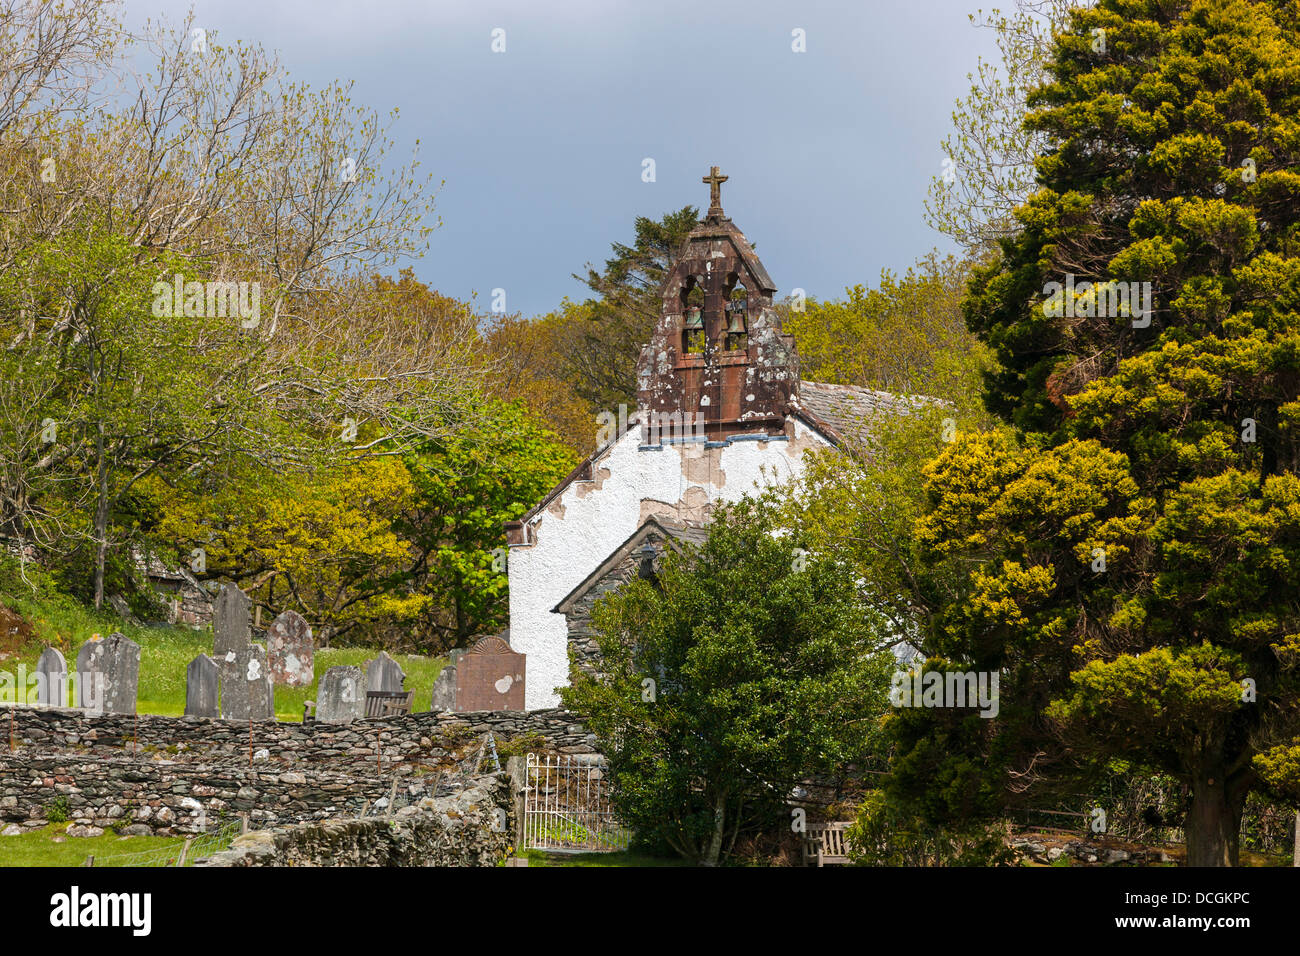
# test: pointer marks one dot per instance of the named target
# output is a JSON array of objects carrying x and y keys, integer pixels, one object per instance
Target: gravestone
[
  {"x": 113, "y": 665},
  {"x": 202, "y": 678},
  {"x": 384, "y": 673},
  {"x": 289, "y": 650},
  {"x": 490, "y": 676},
  {"x": 341, "y": 695},
  {"x": 52, "y": 684},
  {"x": 87, "y": 693},
  {"x": 444, "y": 690},
  {"x": 230, "y": 626},
  {"x": 246, "y": 689}
]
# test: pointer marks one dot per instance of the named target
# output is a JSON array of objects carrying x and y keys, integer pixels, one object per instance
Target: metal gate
[{"x": 566, "y": 806}]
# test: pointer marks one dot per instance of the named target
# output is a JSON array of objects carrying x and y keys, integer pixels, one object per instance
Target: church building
[{"x": 722, "y": 411}]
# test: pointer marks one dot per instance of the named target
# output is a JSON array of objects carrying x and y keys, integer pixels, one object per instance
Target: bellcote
[{"x": 718, "y": 350}]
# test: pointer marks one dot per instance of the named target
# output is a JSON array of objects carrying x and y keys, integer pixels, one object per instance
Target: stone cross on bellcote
[{"x": 715, "y": 181}]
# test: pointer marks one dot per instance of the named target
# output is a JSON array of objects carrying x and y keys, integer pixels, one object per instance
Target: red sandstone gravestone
[{"x": 490, "y": 676}]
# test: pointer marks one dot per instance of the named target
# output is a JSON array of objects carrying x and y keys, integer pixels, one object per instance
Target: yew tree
[{"x": 1130, "y": 556}]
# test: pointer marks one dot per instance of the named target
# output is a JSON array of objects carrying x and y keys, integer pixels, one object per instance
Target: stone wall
[
  {"x": 1048, "y": 849},
  {"x": 429, "y": 739},
  {"x": 165, "y": 797},
  {"x": 472, "y": 827}
]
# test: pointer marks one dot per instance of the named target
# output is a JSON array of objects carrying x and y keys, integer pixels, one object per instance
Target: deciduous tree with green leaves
[{"x": 743, "y": 667}]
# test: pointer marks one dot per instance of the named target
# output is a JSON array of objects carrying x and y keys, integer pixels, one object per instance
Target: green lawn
[
  {"x": 622, "y": 858},
  {"x": 43, "y": 847}
]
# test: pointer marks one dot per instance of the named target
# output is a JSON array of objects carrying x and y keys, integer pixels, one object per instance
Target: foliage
[
  {"x": 886, "y": 835},
  {"x": 602, "y": 348},
  {"x": 744, "y": 667},
  {"x": 466, "y": 487},
  {"x": 906, "y": 336},
  {"x": 57, "y": 810},
  {"x": 1126, "y": 560},
  {"x": 988, "y": 162}
]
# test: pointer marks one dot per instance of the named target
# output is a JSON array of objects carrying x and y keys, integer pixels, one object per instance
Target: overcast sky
[{"x": 829, "y": 151}]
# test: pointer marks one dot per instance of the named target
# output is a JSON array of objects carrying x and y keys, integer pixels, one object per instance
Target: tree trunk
[
  {"x": 719, "y": 831},
  {"x": 1213, "y": 820},
  {"x": 101, "y": 521}
]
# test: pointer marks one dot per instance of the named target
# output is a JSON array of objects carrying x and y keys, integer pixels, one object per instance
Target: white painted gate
[{"x": 566, "y": 806}]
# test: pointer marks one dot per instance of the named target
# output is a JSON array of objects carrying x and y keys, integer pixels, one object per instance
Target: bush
[
  {"x": 57, "y": 810},
  {"x": 884, "y": 835}
]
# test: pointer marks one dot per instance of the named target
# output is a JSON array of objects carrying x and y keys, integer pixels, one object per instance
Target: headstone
[
  {"x": 384, "y": 673},
  {"x": 341, "y": 695},
  {"x": 230, "y": 626},
  {"x": 246, "y": 689},
  {"x": 289, "y": 650},
  {"x": 444, "y": 690},
  {"x": 261, "y": 691},
  {"x": 114, "y": 665},
  {"x": 86, "y": 691},
  {"x": 202, "y": 678},
  {"x": 490, "y": 676},
  {"x": 50, "y": 667},
  {"x": 52, "y": 685}
]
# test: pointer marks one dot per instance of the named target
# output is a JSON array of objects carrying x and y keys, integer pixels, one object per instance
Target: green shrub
[{"x": 57, "y": 810}]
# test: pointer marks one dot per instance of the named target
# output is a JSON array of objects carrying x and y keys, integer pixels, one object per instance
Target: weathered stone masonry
[
  {"x": 425, "y": 737},
  {"x": 471, "y": 827},
  {"x": 186, "y": 774},
  {"x": 166, "y": 797}
]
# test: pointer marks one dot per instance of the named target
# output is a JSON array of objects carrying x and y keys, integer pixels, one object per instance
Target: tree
[
  {"x": 1127, "y": 560},
  {"x": 100, "y": 391},
  {"x": 467, "y": 486},
  {"x": 988, "y": 167},
  {"x": 907, "y": 336},
  {"x": 745, "y": 667},
  {"x": 606, "y": 338}
]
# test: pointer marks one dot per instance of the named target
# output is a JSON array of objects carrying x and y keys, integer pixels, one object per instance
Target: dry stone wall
[
  {"x": 174, "y": 775},
  {"x": 471, "y": 827},
  {"x": 166, "y": 797},
  {"x": 427, "y": 737}
]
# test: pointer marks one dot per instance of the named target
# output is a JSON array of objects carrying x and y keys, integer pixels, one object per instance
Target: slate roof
[{"x": 847, "y": 411}]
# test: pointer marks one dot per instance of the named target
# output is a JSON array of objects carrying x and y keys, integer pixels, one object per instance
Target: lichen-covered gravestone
[
  {"x": 230, "y": 627},
  {"x": 384, "y": 673},
  {"x": 444, "y": 690},
  {"x": 290, "y": 651},
  {"x": 246, "y": 690},
  {"x": 52, "y": 678},
  {"x": 341, "y": 695},
  {"x": 113, "y": 667},
  {"x": 490, "y": 676},
  {"x": 202, "y": 678}
]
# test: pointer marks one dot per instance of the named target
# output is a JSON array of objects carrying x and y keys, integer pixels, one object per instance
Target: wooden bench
[
  {"x": 825, "y": 843},
  {"x": 387, "y": 703}
]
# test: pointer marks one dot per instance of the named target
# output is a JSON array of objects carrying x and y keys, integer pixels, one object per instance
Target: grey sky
[{"x": 829, "y": 151}]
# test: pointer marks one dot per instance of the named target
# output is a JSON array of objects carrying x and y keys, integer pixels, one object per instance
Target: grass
[
  {"x": 50, "y": 847},
  {"x": 59, "y": 621},
  {"x": 621, "y": 858}
]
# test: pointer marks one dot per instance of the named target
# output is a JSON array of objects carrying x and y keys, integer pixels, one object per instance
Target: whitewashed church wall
[{"x": 584, "y": 525}]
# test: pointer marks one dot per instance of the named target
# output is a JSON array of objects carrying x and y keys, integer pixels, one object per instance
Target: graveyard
[{"x": 108, "y": 769}]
